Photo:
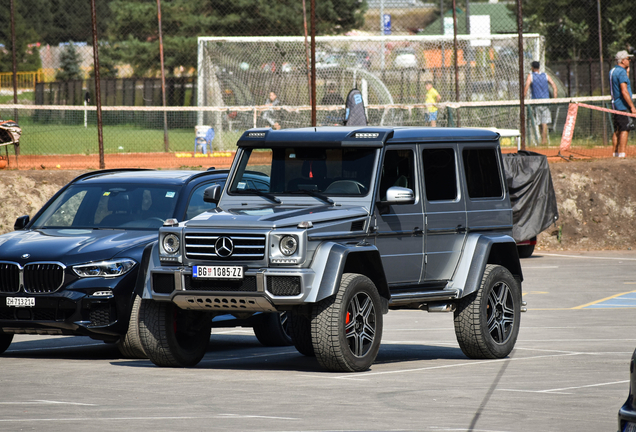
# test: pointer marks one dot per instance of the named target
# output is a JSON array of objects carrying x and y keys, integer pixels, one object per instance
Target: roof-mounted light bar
[{"x": 366, "y": 135}]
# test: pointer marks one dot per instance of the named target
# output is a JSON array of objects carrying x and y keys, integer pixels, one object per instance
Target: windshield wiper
[
  {"x": 269, "y": 196},
  {"x": 321, "y": 196}
]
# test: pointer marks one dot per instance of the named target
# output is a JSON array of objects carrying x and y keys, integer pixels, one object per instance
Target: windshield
[
  {"x": 110, "y": 206},
  {"x": 331, "y": 171}
]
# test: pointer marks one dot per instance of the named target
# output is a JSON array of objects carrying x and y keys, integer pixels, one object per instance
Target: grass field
[{"x": 46, "y": 139}]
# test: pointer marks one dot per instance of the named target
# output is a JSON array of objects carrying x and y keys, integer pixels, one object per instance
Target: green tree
[
  {"x": 69, "y": 65},
  {"x": 133, "y": 26},
  {"x": 58, "y": 21},
  {"x": 560, "y": 21},
  {"x": 27, "y": 53}
]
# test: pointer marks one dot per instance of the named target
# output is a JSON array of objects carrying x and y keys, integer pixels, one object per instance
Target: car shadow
[{"x": 227, "y": 355}]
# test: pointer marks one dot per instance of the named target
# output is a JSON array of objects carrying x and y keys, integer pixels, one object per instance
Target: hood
[
  {"x": 269, "y": 217},
  {"x": 72, "y": 246}
]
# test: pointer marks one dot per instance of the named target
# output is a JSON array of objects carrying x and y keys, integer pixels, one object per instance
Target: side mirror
[
  {"x": 212, "y": 194},
  {"x": 21, "y": 222},
  {"x": 399, "y": 195}
]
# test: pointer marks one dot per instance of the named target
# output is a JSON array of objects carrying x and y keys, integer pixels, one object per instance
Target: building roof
[{"x": 502, "y": 19}]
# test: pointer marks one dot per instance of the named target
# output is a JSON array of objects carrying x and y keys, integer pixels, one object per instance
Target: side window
[
  {"x": 482, "y": 173},
  {"x": 440, "y": 176},
  {"x": 196, "y": 205},
  {"x": 397, "y": 170}
]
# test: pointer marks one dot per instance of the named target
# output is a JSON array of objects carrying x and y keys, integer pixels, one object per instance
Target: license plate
[
  {"x": 21, "y": 301},
  {"x": 217, "y": 272},
  {"x": 630, "y": 427}
]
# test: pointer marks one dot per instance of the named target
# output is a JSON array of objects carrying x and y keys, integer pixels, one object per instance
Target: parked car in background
[
  {"x": 358, "y": 59},
  {"x": 405, "y": 58},
  {"x": 78, "y": 267}
]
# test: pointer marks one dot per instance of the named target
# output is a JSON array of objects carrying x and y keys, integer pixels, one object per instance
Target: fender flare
[
  {"x": 149, "y": 261},
  {"x": 483, "y": 249},
  {"x": 334, "y": 259}
]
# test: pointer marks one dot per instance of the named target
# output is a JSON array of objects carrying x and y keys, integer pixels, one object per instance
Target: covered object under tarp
[{"x": 534, "y": 205}]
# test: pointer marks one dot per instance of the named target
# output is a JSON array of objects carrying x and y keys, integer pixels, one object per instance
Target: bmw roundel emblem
[
  {"x": 224, "y": 247},
  {"x": 25, "y": 256}
]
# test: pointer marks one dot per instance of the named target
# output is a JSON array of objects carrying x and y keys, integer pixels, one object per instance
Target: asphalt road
[{"x": 569, "y": 372}]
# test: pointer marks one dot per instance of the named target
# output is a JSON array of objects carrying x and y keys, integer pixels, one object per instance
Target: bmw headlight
[
  {"x": 288, "y": 245},
  {"x": 171, "y": 243},
  {"x": 111, "y": 268}
]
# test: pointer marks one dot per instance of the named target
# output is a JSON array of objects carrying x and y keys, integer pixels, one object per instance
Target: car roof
[
  {"x": 351, "y": 136},
  {"x": 163, "y": 177}
]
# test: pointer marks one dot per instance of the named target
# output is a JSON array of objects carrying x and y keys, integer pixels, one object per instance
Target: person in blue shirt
[
  {"x": 621, "y": 91},
  {"x": 539, "y": 82}
]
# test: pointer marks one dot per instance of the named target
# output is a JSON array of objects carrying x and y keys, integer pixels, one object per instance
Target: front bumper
[
  {"x": 65, "y": 313},
  {"x": 261, "y": 290}
]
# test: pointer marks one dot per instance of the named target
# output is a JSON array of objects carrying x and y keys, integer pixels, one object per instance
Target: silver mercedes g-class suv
[{"x": 353, "y": 223}]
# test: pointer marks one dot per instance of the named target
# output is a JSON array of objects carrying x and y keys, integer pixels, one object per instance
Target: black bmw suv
[{"x": 78, "y": 267}]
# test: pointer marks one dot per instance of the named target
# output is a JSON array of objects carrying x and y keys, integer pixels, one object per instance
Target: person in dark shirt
[
  {"x": 621, "y": 90},
  {"x": 539, "y": 82}
]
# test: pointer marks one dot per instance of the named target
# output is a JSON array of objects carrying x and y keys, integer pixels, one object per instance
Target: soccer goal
[{"x": 389, "y": 70}]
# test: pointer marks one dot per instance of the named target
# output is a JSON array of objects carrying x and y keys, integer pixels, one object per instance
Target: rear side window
[
  {"x": 482, "y": 173},
  {"x": 439, "y": 174}
]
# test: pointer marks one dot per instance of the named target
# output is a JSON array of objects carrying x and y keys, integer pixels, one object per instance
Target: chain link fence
[{"x": 222, "y": 61}]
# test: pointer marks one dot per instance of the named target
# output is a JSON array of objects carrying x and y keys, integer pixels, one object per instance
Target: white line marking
[
  {"x": 52, "y": 347},
  {"x": 249, "y": 357},
  {"x": 559, "y": 390},
  {"x": 591, "y": 257},
  {"x": 39, "y": 402},
  {"x": 227, "y": 416},
  {"x": 368, "y": 374},
  {"x": 539, "y": 267}
]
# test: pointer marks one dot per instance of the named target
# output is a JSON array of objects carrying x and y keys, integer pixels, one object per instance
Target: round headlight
[
  {"x": 171, "y": 244},
  {"x": 288, "y": 245}
]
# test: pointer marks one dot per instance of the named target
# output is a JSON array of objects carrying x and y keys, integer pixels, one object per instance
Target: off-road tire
[
  {"x": 525, "y": 251},
  {"x": 272, "y": 329},
  {"x": 129, "y": 345},
  {"x": 487, "y": 321},
  {"x": 300, "y": 331},
  {"x": 5, "y": 341},
  {"x": 346, "y": 328},
  {"x": 171, "y": 336}
]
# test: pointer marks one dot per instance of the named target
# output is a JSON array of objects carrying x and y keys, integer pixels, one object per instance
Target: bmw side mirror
[
  {"x": 212, "y": 194},
  {"x": 21, "y": 222}
]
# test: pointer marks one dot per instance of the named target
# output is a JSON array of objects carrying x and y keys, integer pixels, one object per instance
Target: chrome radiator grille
[{"x": 225, "y": 247}]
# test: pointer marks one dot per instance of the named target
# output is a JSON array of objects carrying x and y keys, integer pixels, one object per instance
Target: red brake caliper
[{"x": 348, "y": 319}]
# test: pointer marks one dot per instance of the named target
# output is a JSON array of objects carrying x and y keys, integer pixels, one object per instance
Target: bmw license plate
[
  {"x": 217, "y": 272},
  {"x": 630, "y": 427},
  {"x": 21, "y": 301}
]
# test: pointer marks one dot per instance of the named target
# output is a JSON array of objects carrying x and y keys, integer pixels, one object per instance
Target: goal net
[{"x": 388, "y": 70}]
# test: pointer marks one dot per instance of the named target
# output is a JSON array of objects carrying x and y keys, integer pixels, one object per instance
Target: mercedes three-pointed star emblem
[{"x": 224, "y": 247}]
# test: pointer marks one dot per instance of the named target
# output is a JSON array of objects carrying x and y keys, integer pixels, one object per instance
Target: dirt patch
[
  {"x": 597, "y": 206},
  {"x": 596, "y": 199}
]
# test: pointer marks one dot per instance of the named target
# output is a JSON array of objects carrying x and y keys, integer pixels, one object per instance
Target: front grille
[
  {"x": 202, "y": 246},
  {"x": 283, "y": 285},
  {"x": 100, "y": 316},
  {"x": 248, "y": 284},
  {"x": 163, "y": 283},
  {"x": 42, "y": 277},
  {"x": 9, "y": 278}
]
